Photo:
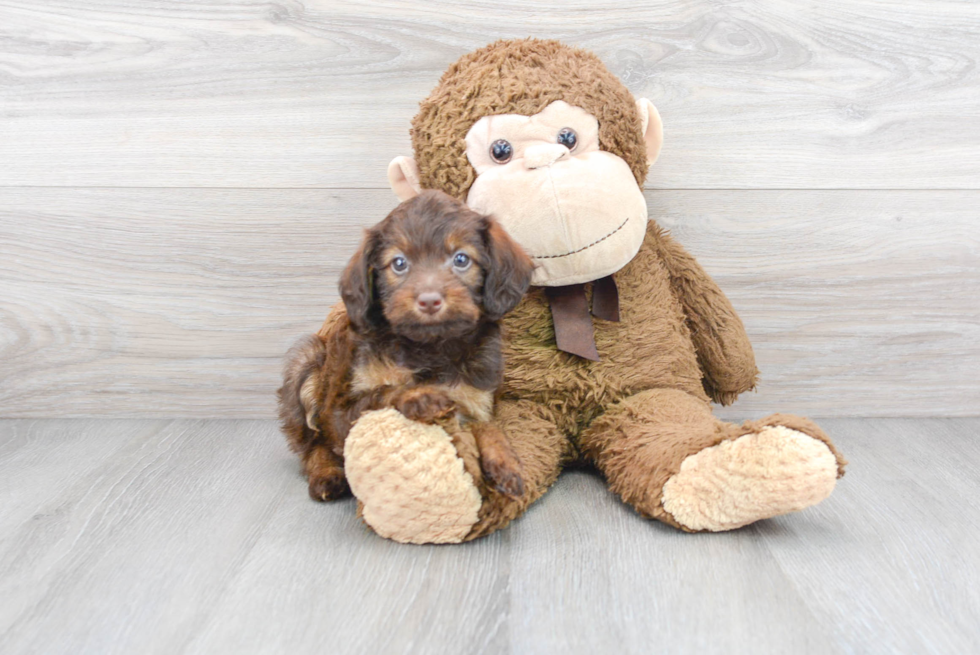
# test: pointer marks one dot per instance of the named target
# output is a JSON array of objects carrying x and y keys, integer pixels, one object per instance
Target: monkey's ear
[
  {"x": 508, "y": 273},
  {"x": 653, "y": 129},
  {"x": 403, "y": 176},
  {"x": 357, "y": 285}
]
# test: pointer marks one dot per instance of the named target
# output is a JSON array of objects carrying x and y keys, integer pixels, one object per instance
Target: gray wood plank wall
[{"x": 180, "y": 184}]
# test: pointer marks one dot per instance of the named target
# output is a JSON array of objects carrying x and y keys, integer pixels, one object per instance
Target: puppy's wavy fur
[{"x": 423, "y": 296}]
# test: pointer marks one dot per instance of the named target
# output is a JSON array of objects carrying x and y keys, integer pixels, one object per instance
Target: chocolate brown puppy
[{"x": 419, "y": 332}]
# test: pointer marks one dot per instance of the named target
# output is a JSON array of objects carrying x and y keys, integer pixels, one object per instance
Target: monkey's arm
[{"x": 723, "y": 348}]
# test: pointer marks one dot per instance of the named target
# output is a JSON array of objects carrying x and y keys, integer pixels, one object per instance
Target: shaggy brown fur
[
  {"x": 676, "y": 330},
  {"x": 519, "y": 77},
  {"x": 422, "y": 298},
  {"x": 643, "y": 408}
]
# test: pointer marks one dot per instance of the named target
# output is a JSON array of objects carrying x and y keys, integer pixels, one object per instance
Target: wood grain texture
[
  {"x": 247, "y": 93},
  {"x": 160, "y": 303},
  {"x": 198, "y": 536}
]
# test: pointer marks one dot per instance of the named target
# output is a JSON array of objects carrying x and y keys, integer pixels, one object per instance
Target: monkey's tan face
[{"x": 576, "y": 209}]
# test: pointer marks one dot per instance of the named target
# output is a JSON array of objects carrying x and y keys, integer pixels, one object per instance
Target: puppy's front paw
[
  {"x": 330, "y": 484},
  {"x": 505, "y": 473},
  {"x": 425, "y": 405}
]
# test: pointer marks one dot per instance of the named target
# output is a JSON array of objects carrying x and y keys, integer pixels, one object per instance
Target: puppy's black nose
[{"x": 429, "y": 302}]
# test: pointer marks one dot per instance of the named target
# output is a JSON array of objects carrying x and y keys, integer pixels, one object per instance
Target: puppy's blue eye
[
  {"x": 568, "y": 138},
  {"x": 399, "y": 264},
  {"x": 461, "y": 261},
  {"x": 501, "y": 151}
]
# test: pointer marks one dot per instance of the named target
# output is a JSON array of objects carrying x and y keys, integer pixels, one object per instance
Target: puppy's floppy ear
[
  {"x": 508, "y": 271},
  {"x": 357, "y": 287}
]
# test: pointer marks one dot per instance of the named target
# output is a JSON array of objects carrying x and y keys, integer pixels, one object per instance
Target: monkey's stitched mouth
[{"x": 594, "y": 243}]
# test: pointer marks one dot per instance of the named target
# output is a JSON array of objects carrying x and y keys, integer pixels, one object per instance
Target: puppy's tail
[{"x": 302, "y": 392}]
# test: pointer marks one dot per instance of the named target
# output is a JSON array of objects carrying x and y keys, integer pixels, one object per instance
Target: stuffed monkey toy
[{"x": 618, "y": 349}]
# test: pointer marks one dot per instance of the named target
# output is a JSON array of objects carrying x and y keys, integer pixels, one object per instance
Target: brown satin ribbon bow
[{"x": 573, "y": 322}]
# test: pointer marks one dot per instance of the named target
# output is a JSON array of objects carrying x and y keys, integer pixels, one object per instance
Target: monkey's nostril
[{"x": 429, "y": 302}]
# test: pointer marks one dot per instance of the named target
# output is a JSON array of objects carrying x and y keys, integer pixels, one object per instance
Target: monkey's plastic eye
[
  {"x": 399, "y": 265},
  {"x": 461, "y": 261},
  {"x": 501, "y": 151},
  {"x": 568, "y": 138}
]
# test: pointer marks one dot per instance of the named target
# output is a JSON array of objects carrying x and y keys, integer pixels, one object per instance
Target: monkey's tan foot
[
  {"x": 765, "y": 473},
  {"x": 412, "y": 485}
]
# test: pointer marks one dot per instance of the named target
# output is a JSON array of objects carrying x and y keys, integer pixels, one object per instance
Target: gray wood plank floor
[{"x": 169, "y": 536}]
